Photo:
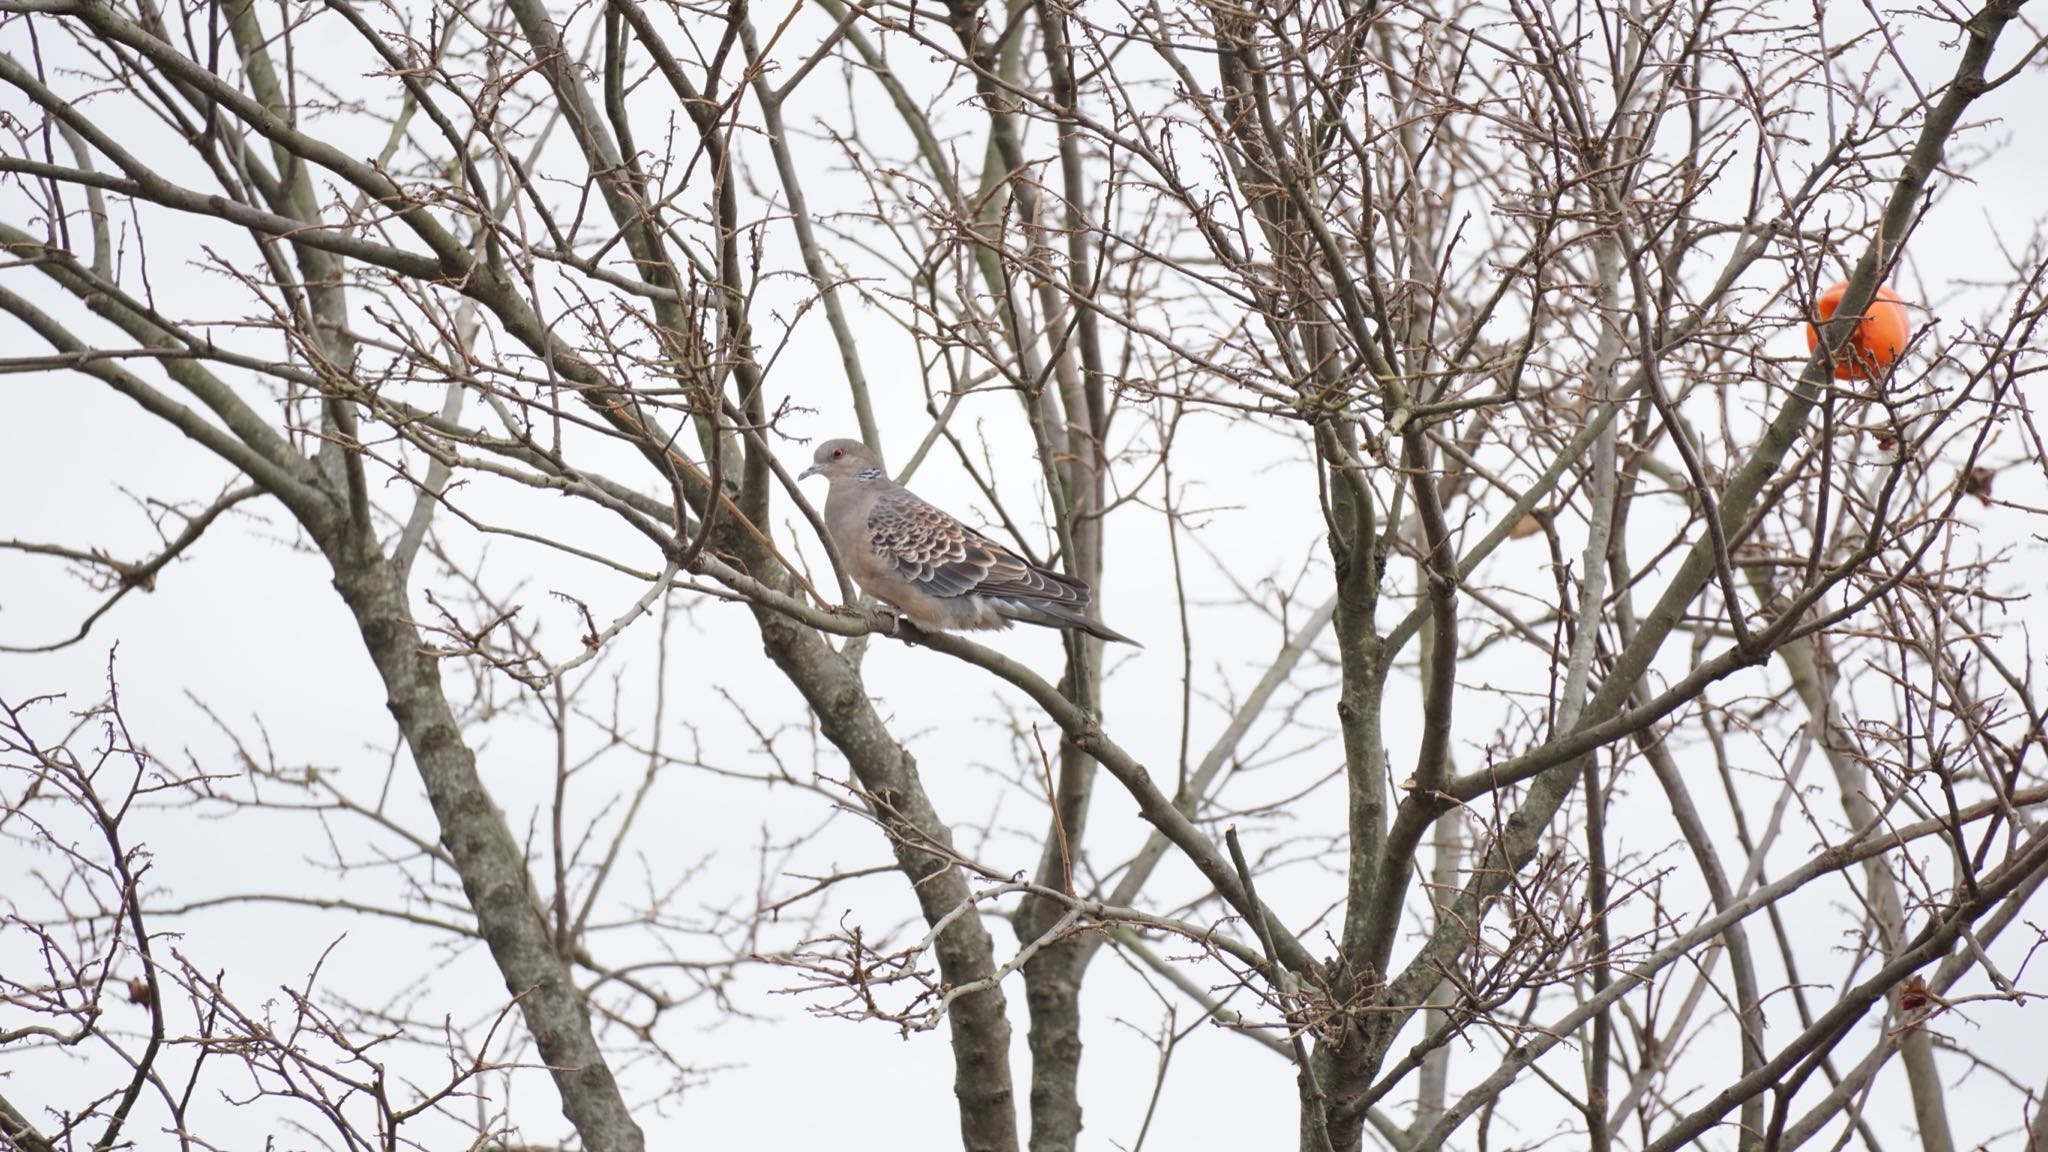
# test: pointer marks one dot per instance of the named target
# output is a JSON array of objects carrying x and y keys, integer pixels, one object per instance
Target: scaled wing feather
[{"x": 947, "y": 559}]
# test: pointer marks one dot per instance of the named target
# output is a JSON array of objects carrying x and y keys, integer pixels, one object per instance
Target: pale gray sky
[{"x": 249, "y": 625}]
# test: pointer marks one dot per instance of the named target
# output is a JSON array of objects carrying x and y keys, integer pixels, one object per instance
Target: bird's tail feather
[{"x": 1062, "y": 616}]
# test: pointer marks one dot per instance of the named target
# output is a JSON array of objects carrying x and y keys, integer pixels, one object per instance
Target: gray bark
[
  {"x": 489, "y": 860},
  {"x": 979, "y": 1028}
]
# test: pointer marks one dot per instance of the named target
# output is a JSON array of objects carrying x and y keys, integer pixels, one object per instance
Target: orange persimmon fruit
[{"x": 1878, "y": 341}]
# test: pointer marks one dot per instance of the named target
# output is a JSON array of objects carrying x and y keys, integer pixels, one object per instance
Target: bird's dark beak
[{"x": 807, "y": 473}]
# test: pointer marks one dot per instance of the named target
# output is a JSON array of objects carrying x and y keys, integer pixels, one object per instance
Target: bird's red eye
[{"x": 838, "y": 453}]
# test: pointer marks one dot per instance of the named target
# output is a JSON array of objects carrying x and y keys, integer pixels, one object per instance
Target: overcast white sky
[{"x": 249, "y": 626}]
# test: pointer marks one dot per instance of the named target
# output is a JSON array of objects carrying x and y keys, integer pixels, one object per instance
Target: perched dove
[{"x": 935, "y": 571}]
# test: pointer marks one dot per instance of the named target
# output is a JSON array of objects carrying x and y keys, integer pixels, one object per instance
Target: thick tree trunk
[
  {"x": 978, "y": 1024},
  {"x": 1052, "y": 990},
  {"x": 488, "y": 859}
]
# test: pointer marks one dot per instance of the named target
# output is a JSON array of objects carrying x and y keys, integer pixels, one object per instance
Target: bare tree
[{"x": 1422, "y": 382}]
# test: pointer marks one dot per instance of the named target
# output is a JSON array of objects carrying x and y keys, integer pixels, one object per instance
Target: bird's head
[{"x": 841, "y": 460}]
